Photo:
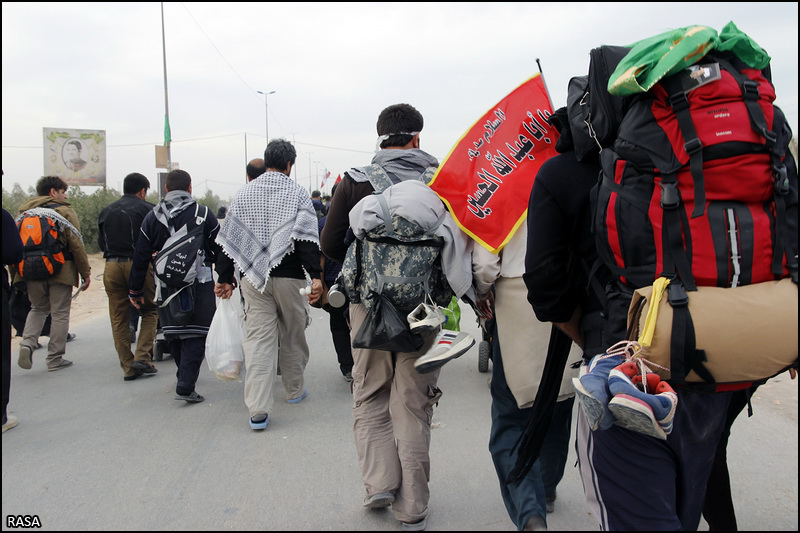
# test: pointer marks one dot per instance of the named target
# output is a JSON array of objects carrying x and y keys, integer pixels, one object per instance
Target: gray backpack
[{"x": 399, "y": 259}]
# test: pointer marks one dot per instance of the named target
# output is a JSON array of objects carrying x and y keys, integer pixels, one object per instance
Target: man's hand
[
  {"x": 137, "y": 302},
  {"x": 316, "y": 291},
  {"x": 85, "y": 283},
  {"x": 484, "y": 305},
  {"x": 223, "y": 290}
]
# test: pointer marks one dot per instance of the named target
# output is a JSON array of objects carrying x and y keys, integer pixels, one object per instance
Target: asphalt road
[{"x": 92, "y": 452}]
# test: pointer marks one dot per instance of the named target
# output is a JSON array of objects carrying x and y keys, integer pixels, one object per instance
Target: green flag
[
  {"x": 667, "y": 53},
  {"x": 167, "y": 133}
]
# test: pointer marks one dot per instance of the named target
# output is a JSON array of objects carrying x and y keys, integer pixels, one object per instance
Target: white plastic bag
[{"x": 224, "y": 352}]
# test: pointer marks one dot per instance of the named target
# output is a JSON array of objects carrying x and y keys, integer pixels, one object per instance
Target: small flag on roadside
[{"x": 325, "y": 176}]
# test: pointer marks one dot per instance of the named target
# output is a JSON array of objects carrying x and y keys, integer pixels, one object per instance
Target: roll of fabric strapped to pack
[{"x": 720, "y": 335}]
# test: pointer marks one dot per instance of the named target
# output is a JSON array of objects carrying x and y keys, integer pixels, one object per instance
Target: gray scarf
[
  {"x": 173, "y": 203},
  {"x": 405, "y": 164}
]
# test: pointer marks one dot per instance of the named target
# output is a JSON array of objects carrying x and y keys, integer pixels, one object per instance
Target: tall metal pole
[
  {"x": 545, "y": 84},
  {"x": 309, "y": 171},
  {"x": 167, "y": 131},
  {"x": 294, "y": 168},
  {"x": 266, "y": 108}
]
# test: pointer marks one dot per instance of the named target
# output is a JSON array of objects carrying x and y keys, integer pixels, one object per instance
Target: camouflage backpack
[{"x": 398, "y": 259}]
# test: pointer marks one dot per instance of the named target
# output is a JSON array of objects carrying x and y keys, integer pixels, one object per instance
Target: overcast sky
[{"x": 333, "y": 68}]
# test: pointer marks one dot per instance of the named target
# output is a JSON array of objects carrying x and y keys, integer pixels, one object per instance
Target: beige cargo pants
[{"x": 392, "y": 411}]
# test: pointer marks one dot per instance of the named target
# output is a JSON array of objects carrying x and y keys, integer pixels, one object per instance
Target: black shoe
[
  {"x": 193, "y": 397},
  {"x": 70, "y": 336},
  {"x": 137, "y": 375},
  {"x": 144, "y": 367}
]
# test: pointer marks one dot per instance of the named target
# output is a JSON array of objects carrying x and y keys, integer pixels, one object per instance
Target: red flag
[
  {"x": 486, "y": 179},
  {"x": 338, "y": 179}
]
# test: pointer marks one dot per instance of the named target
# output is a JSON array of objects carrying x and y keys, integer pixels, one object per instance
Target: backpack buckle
[
  {"x": 693, "y": 146},
  {"x": 771, "y": 138},
  {"x": 679, "y": 102},
  {"x": 677, "y": 295},
  {"x": 750, "y": 90},
  {"x": 781, "y": 181},
  {"x": 670, "y": 196}
]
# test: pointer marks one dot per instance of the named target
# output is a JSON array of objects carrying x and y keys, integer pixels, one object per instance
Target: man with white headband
[{"x": 392, "y": 402}]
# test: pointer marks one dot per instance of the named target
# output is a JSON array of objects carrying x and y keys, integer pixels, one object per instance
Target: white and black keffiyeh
[
  {"x": 266, "y": 217},
  {"x": 52, "y": 214}
]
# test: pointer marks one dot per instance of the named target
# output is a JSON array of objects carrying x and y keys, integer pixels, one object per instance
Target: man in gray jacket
[{"x": 393, "y": 403}]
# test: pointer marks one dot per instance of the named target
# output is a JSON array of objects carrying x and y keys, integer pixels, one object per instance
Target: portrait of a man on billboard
[{"x": 76, "y": 156}]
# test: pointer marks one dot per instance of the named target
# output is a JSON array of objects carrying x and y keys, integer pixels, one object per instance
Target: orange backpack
[{"x": 43, "y": 254}]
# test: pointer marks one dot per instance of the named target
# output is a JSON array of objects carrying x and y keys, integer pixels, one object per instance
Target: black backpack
[
  {"x": 176, "y": 263},
  {"x": 594, "y": 114}
]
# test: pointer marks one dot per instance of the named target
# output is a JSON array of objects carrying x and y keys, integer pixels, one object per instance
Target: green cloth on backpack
[
  {"x": 452, "y": 314},
  {"x": 667, "y": 53}
]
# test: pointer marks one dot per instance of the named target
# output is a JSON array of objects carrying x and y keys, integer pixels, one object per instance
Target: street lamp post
[
  {"x": 294, "y": 168},
  {"x": 266, "y": 109}
]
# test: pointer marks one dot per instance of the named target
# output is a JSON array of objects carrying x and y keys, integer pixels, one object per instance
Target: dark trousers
[
  {"x": 340, "y": 333},
  {"x": 665, "y": 479},
  {"x": 525, "y": 499},
  {"x": 718, "y": 509},
  {"x": 188, "y": 355},
  {"x": 6, "y": 353}
]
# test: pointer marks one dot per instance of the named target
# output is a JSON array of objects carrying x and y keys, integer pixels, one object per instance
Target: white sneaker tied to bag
[
  {"x": 425, "y": 318},
  {"x": 447, "y": 346}
]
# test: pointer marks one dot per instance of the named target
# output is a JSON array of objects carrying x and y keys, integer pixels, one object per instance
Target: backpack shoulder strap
[
  {"x": 379, "y": 178},
  {"x": 387, "y": 217},
  {"x": 427, "y": 176}
]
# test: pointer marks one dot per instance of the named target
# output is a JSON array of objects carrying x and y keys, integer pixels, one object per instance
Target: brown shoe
[
  {"x": 63, "y": 364},
  {"x": 25, "y": 357}
]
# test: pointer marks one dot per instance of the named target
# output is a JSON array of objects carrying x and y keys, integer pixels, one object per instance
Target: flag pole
[{"x": 545, "y": 84}]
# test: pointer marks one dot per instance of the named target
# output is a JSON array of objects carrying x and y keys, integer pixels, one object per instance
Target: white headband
[{"x": 384, "y": 137}]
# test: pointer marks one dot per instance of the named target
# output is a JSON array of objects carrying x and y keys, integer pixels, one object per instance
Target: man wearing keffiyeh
[{"x": 270, "y": 234}]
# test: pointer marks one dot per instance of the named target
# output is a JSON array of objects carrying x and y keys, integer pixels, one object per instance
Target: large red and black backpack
[
  {"x": 698, "y": 184},
  {"x": 699, "y": 187}
]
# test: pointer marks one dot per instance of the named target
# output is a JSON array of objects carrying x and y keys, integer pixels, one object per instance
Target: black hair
[
  {"x": 254, "y": 170},
  {"x": 46, "y": 183},
  {"x": 396, "y": 119},
  {"x": 178, "y": 180},
  {"x": 134, "y": 182},
  {"x": 279, "y": 154},
  {"x": 315, "y": 194},
  {"x": 77, "y": 144}
]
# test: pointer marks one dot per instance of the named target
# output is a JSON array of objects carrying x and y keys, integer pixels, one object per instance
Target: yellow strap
[{"x": 646, "y": 337}]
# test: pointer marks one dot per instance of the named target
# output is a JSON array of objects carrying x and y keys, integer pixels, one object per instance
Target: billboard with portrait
[{"x": 76, "y": 156}]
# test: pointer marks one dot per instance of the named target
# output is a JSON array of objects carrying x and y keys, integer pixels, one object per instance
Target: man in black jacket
[
  {"x": 120, "y": 225},
  {"x": 186, "y": 335}
]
